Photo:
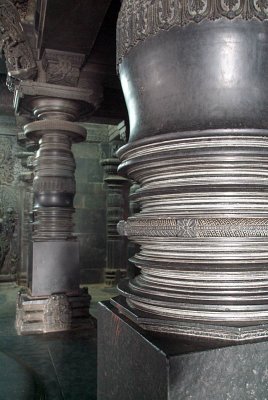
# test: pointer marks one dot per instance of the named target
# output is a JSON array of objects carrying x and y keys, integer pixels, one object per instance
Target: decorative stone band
[
  {"x": 193, "y": 227},
  {"x": 202, "y": 229},
  {"x": 54, "y": 181},
  {"x": 50, "y": 184},
  {"x": 140, "y": 19}
]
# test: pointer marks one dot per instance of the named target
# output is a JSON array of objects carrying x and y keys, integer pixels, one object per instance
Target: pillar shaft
[
  {"x": 54, "y": 190},
  {"x": 198, "y": 148}
]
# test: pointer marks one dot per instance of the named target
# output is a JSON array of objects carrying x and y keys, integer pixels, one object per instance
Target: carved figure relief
[
  {"x": 6, "y": 161},
  {"x": 62, "y": 68},
  {"x": 19, "y": 58},
  {"x": 8, "y": 245}
]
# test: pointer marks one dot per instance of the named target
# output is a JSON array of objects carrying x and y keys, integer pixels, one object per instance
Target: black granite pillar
[
  {"x": 117, "y": 206},
  {"x": 194, "y": 79},
  {"x": 54, "y": 300}
]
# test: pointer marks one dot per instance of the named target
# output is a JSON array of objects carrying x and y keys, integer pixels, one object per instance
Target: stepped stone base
[
  {"x": 55, "y": 313},
  {"x": 226, "y": 334}
]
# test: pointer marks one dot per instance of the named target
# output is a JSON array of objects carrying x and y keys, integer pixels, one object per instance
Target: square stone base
[
  {"x": 57, "y": 312},
  {"x": 55, "y": 267},
  {"x": 136, "y": 365}
]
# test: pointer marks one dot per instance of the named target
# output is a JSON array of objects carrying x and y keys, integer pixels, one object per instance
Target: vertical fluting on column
[
  {"x": 198, "y": 149},
  {"x": 117, "y": 188}
]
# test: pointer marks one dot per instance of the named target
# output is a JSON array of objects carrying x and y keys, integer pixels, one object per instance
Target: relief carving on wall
[
  {"x": 10, "y": 168},
  {"x": 6, "y": 161},
  {"x": 139, "y": 19},
  {"x": 8, "y": 243},
  {"x": 19, "y": 58}
]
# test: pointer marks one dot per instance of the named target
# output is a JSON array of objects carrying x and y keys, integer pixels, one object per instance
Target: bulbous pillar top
[{"x": 193, "y": 65}]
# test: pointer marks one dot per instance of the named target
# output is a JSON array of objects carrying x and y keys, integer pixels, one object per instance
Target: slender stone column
[
  {"x": 117, "y": 189},
  {"x": 198, "y": 148},
  {"x": 55, "y": 259},
  {"x": 26, "y": 207}
]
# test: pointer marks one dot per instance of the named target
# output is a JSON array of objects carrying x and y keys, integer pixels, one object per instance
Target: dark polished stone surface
[
  {"x": 64, "y": 363},
  {"x": 135, "y": 365}
]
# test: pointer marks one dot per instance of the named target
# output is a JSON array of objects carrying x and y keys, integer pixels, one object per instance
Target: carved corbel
[{"x": 62, "y": 68}]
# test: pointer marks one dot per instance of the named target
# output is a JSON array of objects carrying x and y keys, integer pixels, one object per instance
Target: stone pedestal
[
  {"x": 133, "y": 364},
  {"x": 54, "y": 313}
]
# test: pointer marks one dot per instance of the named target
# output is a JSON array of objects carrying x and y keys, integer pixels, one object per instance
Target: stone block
[
  {"x": 55, "y": 267},
  {"x": 133, "y": 364}
]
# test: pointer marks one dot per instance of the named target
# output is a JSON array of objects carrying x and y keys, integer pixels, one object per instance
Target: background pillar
[
  {"x": 117, "y": 190},
  {"x": 55, "y": 301}
]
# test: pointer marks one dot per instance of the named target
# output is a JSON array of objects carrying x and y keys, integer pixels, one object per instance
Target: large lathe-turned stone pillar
[
  {"x": 194, "y": 75},
  {"x": 55, "y": 301}
]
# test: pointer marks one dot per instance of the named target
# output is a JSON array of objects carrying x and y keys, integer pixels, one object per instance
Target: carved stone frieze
[
  {"x": 19, "y": 58},
  {"x": 8, "y": 244},
  {"x": 6, "y": 161},
  {"x": 8, "y": 197},
  {"x": 140, "y": 19},
  {"x": 22, "y": 7},
  {"x": 62, "y": 68}
]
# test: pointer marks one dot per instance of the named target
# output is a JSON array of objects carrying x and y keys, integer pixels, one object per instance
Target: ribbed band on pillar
[
  {"x": 203, "y": 228},
  {"x": 54, "y": 182},
  {"x": 194, "y": 76}
]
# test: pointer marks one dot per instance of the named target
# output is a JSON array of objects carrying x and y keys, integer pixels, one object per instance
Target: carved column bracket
[{"x": 62, "y": 68}]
